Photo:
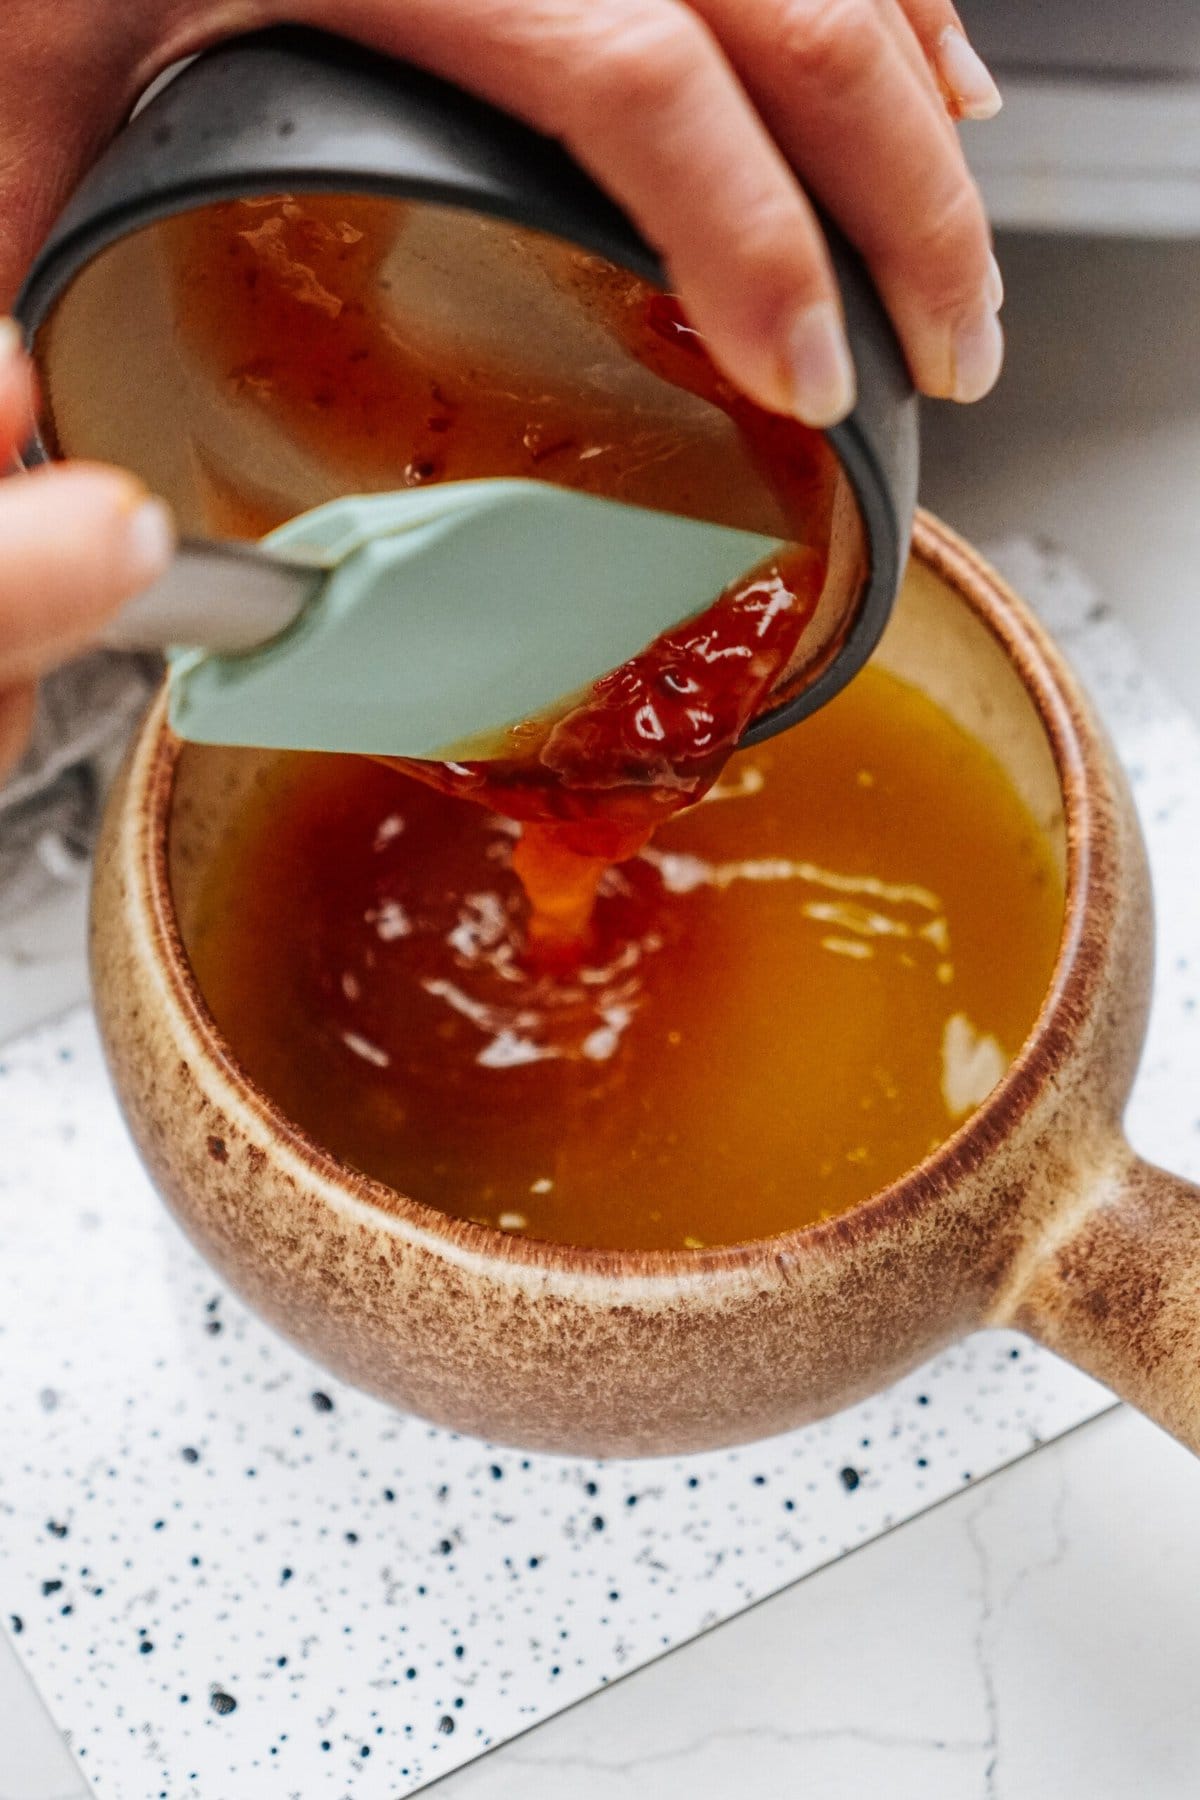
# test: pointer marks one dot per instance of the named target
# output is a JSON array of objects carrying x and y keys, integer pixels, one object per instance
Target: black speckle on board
[
  {"x": 50, "y": 1587},
  {"x": 446, "y": 1724},
  {"x": 322, "y": 1402},
  {"x": 56, "y": 1529},
  {"x": 849, "y": 1478},
  {"x": 189, "y": 1454},
  {"x": 17, "y": 1624},
  {"x": 221, "y": 1702}
]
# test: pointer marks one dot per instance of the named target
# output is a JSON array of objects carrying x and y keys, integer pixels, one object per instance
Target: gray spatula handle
[{"x": 215, "y": 596}]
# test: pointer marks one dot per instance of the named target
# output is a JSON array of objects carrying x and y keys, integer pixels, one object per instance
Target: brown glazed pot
[{"x": 1034, "y": 1214}]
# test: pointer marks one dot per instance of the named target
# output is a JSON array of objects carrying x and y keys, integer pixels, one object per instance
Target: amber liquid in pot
[
  {"x": 801, "y": 987},
  {"x": 784, "y": 1000}
]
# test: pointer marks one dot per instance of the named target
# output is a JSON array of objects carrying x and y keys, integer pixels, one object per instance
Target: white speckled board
[{"x": 232, "y": 1576}]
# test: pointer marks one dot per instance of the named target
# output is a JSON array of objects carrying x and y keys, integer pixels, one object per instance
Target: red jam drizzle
[
  {"x": 284, "y": 296},
  {"x": 649, "y": 739}
]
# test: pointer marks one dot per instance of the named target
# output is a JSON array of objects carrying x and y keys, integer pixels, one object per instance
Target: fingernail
[
  {"x": 149, "y": 543},
  {"x": 978, "y": 355},
  {"x": 11, "y": 340},
  {"x": 993, "y": 289},
  {"x": 821, "y": 373},
  {"x": 966, "y": 75}
]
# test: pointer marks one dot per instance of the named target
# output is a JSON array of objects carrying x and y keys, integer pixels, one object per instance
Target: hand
[
  {"x": 711, "y": 121},
  {"x": 75, "y": 542}
]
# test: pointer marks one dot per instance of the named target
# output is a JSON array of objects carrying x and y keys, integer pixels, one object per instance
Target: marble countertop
[
  {"x": 1036, "y": 1635},
  {"x": 1034, "y": 1639}
]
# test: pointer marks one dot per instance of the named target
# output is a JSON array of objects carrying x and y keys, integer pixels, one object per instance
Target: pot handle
[{"x": 1114, "y": 1286}]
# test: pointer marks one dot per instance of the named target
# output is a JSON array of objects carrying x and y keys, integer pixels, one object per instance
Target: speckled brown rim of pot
[{"x": 1079, "y": 763}]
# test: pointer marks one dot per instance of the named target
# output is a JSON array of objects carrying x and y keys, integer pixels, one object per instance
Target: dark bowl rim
[{"x": 87, "y": 234}]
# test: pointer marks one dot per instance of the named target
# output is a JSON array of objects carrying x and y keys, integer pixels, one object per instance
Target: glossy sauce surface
[{"x": 803, "y": 985}]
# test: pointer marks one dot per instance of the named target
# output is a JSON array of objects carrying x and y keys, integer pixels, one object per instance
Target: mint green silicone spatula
[{"x": 415, "y": 623}]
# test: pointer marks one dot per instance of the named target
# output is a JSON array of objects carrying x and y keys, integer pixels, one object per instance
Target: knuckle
[
  {"x": 771, "y": 234},
  {"x": 640, "y": 56},
  {"x": 830, "y": 44},
  {"x": 948, "y": 249}
]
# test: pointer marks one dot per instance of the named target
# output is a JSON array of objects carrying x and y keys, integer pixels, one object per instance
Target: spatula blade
[{"x": 455, "y": 612}]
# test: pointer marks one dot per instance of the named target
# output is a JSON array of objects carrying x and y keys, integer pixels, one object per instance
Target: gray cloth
[{"x": 50, "y": 806}]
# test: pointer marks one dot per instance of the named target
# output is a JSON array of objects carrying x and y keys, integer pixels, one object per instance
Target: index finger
[
  {"x": 868, "y": 134},
  {"x": 642, "y": 94}
]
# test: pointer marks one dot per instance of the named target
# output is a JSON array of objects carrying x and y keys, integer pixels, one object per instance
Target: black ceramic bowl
[{"x": 301, "y": 112}]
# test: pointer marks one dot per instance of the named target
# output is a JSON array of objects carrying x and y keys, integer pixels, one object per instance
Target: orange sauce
[
  {"x": 802, "y": 986},
  {"x": 289, "y": 299}
]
